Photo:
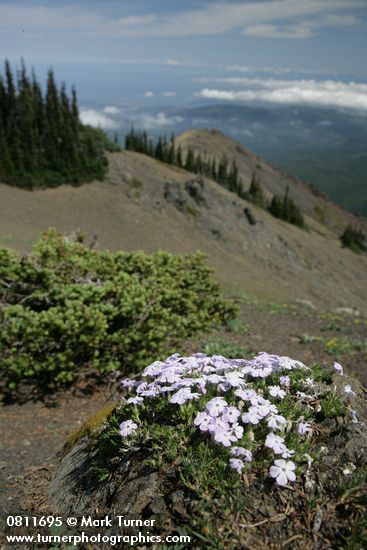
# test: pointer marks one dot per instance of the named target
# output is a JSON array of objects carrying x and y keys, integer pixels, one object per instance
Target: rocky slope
[{"x": 147, "y": 205}]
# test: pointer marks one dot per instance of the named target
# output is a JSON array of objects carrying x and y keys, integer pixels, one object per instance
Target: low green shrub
[
  {"x": 354, "y": 239},
  {"x": 65, "y": 306}
]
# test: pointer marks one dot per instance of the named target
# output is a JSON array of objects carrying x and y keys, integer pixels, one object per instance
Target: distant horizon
[{"x": 142, "y": 54}]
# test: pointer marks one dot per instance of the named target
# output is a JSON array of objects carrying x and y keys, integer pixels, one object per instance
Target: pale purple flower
[
  {"x": 151, "y": 390},
  {"x": 183, "y": 395},
  {"x": 285, "y": 381},
  {"x": 283, "y": 471},
  {"x": 234, "y": 378},
  {"x": 303, "y": 428},
  {"x": 286, "y": 453},
  {"x": 251, "y": 417},
  {"x": 338, "y": 368},
  {"x": 128, "y": 383},
  {"x": 265, "y": 410},
  {"x": 348, "y": 390},
  {"x": 236, "y": 464},
  {"x": 237, "y": 431},
  {"x": 289, "y": 364},
  {"x": 135, "y": 400},
  {"x": 277, "y": 422},
  {"x": 244, "y": 453},
  {"x": 214, "y": 378},
  {"x": 276, "y": 391},
  {"x": 222, "y": 434},
  {"x": 246, "y": 395},
  {"x": 231, "y": 415},
  {"x": 261, "y": 372},
  {"x": 202, "y": 420},
  {"x": 304, "y": 396},
  {"x": 275, "y": 442},
  {"x": 127, "y": 428},
  {"x": 170, "y": 375},
  {"x": 154, "y": 369},
  {"x": 216, "y": 406}
]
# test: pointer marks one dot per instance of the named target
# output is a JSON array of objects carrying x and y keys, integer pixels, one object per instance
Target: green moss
[{"x": 89, "y": 426}]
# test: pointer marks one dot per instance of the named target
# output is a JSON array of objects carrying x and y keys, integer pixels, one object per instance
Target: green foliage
[
  {"x": 232, "y": 350},
  {"x": 332, "y": 405},
  {"x": 255, "y": 193},
  {"x": 222, "y": 172},
  {"x": 42, "y": 141},
  {"x": 65, "y": 306},
  {"x": 285, "y": 209},
  {"x": 354, "y": 239},
  {"x": 166, "y": 150}
]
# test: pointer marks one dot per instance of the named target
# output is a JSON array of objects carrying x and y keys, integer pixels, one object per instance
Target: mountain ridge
[{"x": 146, "y": 204}]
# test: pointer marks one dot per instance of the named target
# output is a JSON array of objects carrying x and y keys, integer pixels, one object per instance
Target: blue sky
[{"x": 167, "y": 51}]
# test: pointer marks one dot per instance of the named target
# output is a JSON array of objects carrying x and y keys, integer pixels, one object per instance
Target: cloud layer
[
  {"x": 327, "y": 93},
  {"x": 151, "y": 122},
  {"x": 269, "y": 18},
  {"x": 98, "y": 119}
]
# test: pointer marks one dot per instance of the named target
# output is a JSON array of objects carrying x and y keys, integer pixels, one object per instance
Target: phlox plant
[{"x": 258, "y": 412}]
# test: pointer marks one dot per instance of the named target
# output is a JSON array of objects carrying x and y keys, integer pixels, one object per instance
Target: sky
[{"x": 139, "y": 53}]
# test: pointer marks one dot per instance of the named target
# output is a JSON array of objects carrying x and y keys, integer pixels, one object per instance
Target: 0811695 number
[{"x": 33, "y": 521}]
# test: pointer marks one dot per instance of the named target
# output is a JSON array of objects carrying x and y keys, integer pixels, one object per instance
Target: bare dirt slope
[{"x": 145, "y": 204}]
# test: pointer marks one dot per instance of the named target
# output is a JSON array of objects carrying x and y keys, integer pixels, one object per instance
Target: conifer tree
[{"x": 42, "y": 140}]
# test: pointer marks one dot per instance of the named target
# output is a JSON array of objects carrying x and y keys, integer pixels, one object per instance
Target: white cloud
[
  {"x": 149, "y": 94},
  {"x": 97, "y": 119},
  {"x": 173, "y": 62},
  {"x": 273, "y": 31},
  {"x": 136, "y": 20},
  {"x": 278, "y": 70},
  {"x": 212, "y": 19},
  {"x": 328, "y": 93},
  {"x": 169, "y": 94},
  {"x": 305, "y": 29},
  {"x": 111, "y": 110},
  {"x": 150, "y": 122}
]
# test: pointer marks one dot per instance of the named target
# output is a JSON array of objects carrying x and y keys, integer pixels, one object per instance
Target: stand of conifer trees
[
  {"x": 165, "y": 150},
  {"x": 222, "y": 172},
  {"x": 42, "y": 142}
]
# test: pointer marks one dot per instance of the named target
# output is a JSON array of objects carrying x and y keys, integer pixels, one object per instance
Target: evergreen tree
[
  {"x": 190, "y": 160},
  {"x": 354, "y": 239},
  {"x": 178, "y": 160},
  {"x": 42, "y": 141},
  {"x": 255, "y": 193}
]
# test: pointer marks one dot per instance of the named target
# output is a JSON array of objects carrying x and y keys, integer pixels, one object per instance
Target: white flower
[
  {"x": 246, "y": 395},
  {"x": 285, "y": 381},
  {"x": 275, "y": 442},
  {"x": 234, "y": 379},
  {"x": 277, "y": 422},
  {"x": 303, "y": 428},
  {"x": 349, "y": 469},
  {"x": 244, "y": 453},
  {"x": 310, "y": 382},
  {"x": 283, "y": 471},
  {"x": 127, "y": 428},
  {"x": 354, "y": 417},
  {"x": 348, "y": 390},
  {"x": 236, "y": 464},
  {"x": 287, "y": 453},
  {"x": 338, "y": 368},
  {"x": 289, "y": 364},
  {"x": 276, "y": 391}
]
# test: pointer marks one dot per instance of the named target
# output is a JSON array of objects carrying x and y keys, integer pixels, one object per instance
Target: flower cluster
[{"x": 233, "y": 397}]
